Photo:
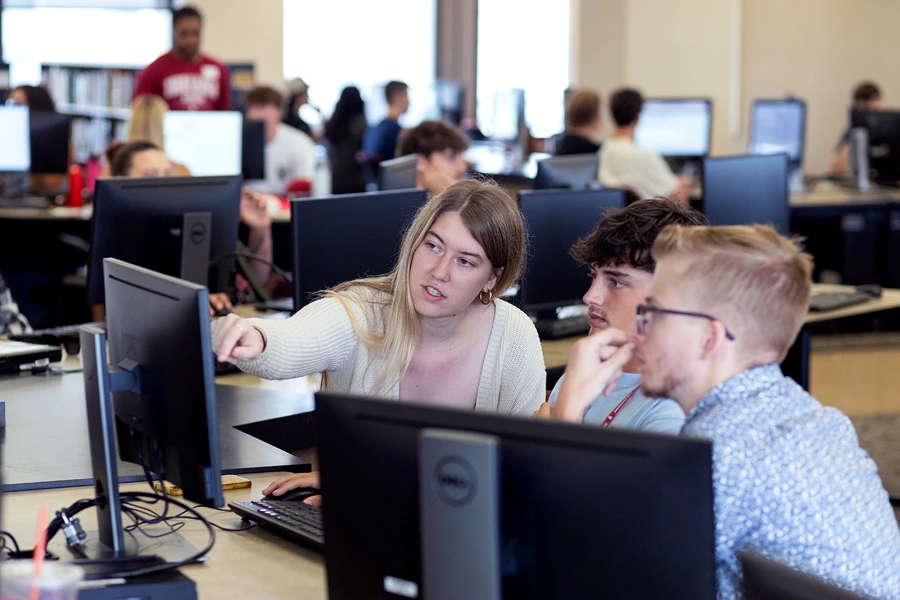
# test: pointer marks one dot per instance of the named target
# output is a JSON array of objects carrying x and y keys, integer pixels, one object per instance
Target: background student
[
  {"x": 343, "y": 137},
  {"x": 582, "y": 124},
  {"x": 183, "y": 77},
  {"x": 439, "y": 149},
  {"x": 290, "y": 153},
  {"x": 380, "y": 142},
  {"x": 623, "y": 164},
  {"x": 866, "y": 96},
  {"x": 790, "y": 480}
]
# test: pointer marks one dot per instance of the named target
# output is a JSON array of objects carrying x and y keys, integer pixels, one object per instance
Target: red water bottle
[{"x": 76, "y": 187}]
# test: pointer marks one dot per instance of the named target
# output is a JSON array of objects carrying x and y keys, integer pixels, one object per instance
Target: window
[
  {"x": 81, "y": 36},
  {"x": 338, "y": 43},
  {"x": 523, "y": 44}
]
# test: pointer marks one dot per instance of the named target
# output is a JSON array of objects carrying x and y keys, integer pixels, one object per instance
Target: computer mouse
[
  {"x": 221, "y": 312},
  {"x": 297, "y": 495}
]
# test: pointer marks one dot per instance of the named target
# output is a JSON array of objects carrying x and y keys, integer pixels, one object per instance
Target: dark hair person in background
[
  {"x": 35, "y": 98},
  {"x": 380, "y": 142},
  {"x": 866, "y": 96},
  {"x": 344, "y": 136},
  {"x": 183, "y": 77}
]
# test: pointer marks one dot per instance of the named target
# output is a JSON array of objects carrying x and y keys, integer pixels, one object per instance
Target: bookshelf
[{"x": 96, "y": 97}]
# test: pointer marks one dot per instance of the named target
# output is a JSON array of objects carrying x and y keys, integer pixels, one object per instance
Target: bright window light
[
  {"x": 337, "y": 43},
  {"x": 524, "y": 44}
]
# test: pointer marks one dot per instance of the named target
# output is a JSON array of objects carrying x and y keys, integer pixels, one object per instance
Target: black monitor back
[
  {"x": 577, "y": 171},
  {"x": 397, "y": 173},
  {"x": 585, "y": 511},
  {"x": 162, "y": 324},
  {"x": 253, "y": 150},
  {"x": 747, "y": 190},
  {"x": 50, "y": 134},
  {"x": 883, "y": 127},
  {"x": 557, "y": 219},
  {"x": 765, "y": 579},
  {"x": 140, "y": 220},
  {"x": 340, "y": 238}
]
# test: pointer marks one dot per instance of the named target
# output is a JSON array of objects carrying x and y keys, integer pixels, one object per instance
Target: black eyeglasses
[{"x": 645, "y": 310}]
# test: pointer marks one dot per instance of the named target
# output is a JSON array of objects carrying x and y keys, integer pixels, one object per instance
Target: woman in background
[{"x": 343, "y": 138}]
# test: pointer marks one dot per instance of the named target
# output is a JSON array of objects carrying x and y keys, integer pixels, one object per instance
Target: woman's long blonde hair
[
  {"x": 146, "y": 123},
  {"x": 492, "y": 218}
]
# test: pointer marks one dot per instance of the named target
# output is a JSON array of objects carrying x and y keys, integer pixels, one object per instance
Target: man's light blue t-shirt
[{"x": 658, "y": 415}]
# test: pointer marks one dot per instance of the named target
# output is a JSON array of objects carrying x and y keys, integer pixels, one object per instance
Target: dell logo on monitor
[{"x": 455, "y": 481}]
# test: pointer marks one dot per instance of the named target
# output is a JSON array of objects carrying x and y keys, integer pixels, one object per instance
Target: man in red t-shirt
[{"x": 186, "y": 79}]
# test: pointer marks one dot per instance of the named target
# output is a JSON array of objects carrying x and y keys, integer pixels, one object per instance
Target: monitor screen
[
  {"x": 508, "y": 113},
  {"x": 675, "y": 127},
  {"x": 556, "y": 220},
  {"x": 206, "y": 142},
  {"x": 143, "y": 221},
  {"x": 15, "y": 147},
  {"x": 581, "y": 509},
  {"x": 777, "y": 126},
  {"x": 360, "y": 234}
]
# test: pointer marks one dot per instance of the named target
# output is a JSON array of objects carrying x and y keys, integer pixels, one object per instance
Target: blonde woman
[
  {"x": 431, "y": 331},
  {"x": 148, "y": 112}
]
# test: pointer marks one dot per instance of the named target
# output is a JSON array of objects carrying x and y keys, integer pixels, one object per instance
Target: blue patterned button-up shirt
[{"x": 792, "y": 483}]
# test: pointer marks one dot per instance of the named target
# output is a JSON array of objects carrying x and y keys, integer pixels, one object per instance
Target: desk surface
[
  {"x": 247, "y": 564},
  {"x": 834, "y": 196}
]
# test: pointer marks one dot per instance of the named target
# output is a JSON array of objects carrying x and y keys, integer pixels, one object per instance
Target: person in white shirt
[
  {"x": 625, "y": 165},
  {"x": 290, "y": 153}
]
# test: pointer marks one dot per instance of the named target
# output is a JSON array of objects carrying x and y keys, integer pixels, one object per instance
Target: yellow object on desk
[{"x": 229, "y": 482}]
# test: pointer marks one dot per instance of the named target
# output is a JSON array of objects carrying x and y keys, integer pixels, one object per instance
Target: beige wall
[
  {"x": 246, "y": 30},
  {"x": 819, "y": 50}
]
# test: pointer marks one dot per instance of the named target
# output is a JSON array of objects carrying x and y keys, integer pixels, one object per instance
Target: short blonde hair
[
  {"x": 146, "y": 123},
  {"x": 757, "y": 281}
]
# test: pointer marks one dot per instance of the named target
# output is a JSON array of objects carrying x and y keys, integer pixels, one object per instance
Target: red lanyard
[{"x": 616, "y": 410}]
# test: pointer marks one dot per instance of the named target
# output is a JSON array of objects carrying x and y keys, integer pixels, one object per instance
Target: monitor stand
[
  {"x": 563, "y": 322},
  {"x": 111, "y": 542}
]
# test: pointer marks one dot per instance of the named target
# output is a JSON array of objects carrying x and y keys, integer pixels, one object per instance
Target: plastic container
[{"x": 58, "y": 580}]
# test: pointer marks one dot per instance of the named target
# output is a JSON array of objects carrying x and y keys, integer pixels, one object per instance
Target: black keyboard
[
  {"x": 825, "y": 301},
  {"x": 292, "y": 519},
  {"x": 554, "y": 329}
]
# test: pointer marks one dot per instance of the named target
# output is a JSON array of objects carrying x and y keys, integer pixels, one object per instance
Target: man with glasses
[
  {"x": 617, "y": 252},
  {"x": 790, "y": 480}
]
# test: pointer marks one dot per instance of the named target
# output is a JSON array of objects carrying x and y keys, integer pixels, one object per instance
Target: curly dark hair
[
  {"x": 429, "y": 137},
  {"x": 625, "y": 236}
]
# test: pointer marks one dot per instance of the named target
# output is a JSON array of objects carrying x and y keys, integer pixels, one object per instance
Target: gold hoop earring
[{"x": 490, "y": 297}]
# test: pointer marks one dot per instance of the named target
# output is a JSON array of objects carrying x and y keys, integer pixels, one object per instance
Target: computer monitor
[
  {"x": 143, "y": 221},
  {"x": 779, "y": 126},
  {"x": 155, "y": 405},
  {"x": 253, "y": 150},
  {"x": 765, "y": 579},
  {"x": 15, "y": 143},
  {"x": 508, "y": 116},
  {"x": 675, "y": 127},
  {"x": 340, "y": 238},
  {"x": 451, "y": 100},
  {"x": 582, "y": 510},
  {"x": 50, "y": 135},
  {"x": 557, "y": 219},
  {"x": 575, "y": 172},
  {"x": 883, "y": 127},
  {"x": 206, "y": 142},
  {"x": 397, "y": 173},
  {"x": 747, "y": 190}
]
